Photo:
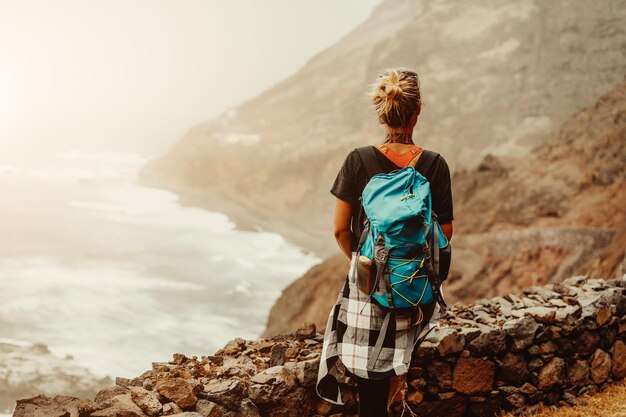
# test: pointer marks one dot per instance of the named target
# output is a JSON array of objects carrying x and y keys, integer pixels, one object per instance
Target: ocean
[{"x": 116, "y": 275}]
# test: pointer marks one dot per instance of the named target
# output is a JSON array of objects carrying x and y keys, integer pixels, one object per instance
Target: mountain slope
[
  {"x": 496, "y": 78},
  {"x": 521, "y": 221}
]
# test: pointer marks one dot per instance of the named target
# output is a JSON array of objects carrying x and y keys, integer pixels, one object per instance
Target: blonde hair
[{"x": 396, "y": 96}]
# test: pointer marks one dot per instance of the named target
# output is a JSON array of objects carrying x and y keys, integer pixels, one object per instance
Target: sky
[{"x": 135, "y": 75}]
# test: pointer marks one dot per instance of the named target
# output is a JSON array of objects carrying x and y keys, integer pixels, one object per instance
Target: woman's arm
[
  {"x": 447, "y": 230},
  {"x": 342, "y": 218}
]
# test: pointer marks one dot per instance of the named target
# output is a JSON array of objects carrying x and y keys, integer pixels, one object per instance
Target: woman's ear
[{"x": 418, "y": 110}]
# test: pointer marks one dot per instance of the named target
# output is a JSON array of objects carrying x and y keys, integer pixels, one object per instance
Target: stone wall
[{"x": 549, "y": 346}]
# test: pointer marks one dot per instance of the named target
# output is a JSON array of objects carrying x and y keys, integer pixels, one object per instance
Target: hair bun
[
  {"x": 395, "y": 96},
  {"x": 392, "y": 91}
]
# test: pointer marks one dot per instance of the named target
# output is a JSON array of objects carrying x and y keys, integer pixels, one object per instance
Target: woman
[{"x": 397, "y": 100}]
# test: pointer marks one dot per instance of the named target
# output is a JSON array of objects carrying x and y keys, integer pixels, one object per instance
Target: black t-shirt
[{"x": 352, "y": 178}]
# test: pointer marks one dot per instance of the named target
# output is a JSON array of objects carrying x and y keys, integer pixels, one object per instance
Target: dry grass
[{"x": 609, "y": 403}]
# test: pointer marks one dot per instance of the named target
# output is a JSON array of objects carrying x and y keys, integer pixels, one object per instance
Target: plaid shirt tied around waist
[{"x": 371, "y": 342}]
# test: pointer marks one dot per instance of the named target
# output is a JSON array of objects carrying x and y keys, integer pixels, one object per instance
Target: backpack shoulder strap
[
  {"x": 370, "y": 160},
  {"x": 425, "y": 161}
]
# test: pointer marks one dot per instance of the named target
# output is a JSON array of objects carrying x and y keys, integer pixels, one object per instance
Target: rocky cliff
[
  {"x": 27, "y": 368},
  {"x": 497, "y": 78},
  {"x": 548, "y": 346},
  {"x": 520, "y": 221}
]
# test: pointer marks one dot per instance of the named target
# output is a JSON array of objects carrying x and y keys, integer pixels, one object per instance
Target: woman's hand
[
  {"x": 447, "y": 230},
  {"x": 341, "y": 222}
]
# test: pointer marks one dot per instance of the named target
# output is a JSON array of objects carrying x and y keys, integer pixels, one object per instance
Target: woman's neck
[{"x": 404, "y": 136}]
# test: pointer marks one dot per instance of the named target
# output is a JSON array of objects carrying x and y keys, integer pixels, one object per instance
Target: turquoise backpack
[{"x": 411, "y": 255}]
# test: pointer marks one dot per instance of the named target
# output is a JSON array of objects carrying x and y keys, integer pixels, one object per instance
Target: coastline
[{"x": 261, "y": 221}]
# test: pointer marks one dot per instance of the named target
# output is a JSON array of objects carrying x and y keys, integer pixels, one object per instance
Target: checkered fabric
[{"x": 352, "y": 330}]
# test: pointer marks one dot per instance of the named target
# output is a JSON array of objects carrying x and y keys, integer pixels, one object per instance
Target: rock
[
  {"x": 551, "y": 374},
  {"x": 277, "y": 356},
  {"x": 227, "y": 393},
  {"x": 574, "y": 281},
  {"x": 171, "y": 408},
  {"x": 484, "y": 407},
  {"x": 306, "y": 331},
  {"x": 557, "y": 302},
  {"x": 512, "y": 369},
  {"x": 451, "y": 407},
  {"x": 146, "y": 401},
  {"x": 294, "y": 403},
  {"x": 544, "y": 292},
  {"x": 535, "y": 364},
  {"x": 522, "y": 332},
  {"x": 491, "y": 341},
  {"x": 543, "y": 348},
  {"x": 247, "y": 409},
  {"x": 528, "y": 389},
  {"x": 241, "y": 366},
  {"x": 470, "y": 333},
  {"x": 618, "y": 352},
  {"x": 565, "y": 347},
  {"x": 217, "y": 360},
  {"x": 275, "y": 374},
  {"x": 271, "y": 384},
  {"x": 76, "y": 406},
  {"x": 577, "y": 373},
  {"x": 591, "y": 303},
  {"x": 600, "y": 366},
  {"x": 209, "y": 408},
  {"x": 123, "y": 382},
  {"x": 542, "y": 314},
  {"x": 415, "y": 397},
  {"x": 305, "y": 371},
  {"x": 473, "y": 375},
  {"x": 570, "y": 311},
  {"x": 109, "y": 392},
  {"x": 179, "y": 359},
  {"x": 121, "y": 406},
  {"x": 586, "y": 343},
  {"x": 178, "y": 390},
  {"x": 448, "y": 340},
  {"x": 608, "y": 334},
  {"x": 424, "y": 352},
  {"x": 440, "y": 374},
  {"x": 233, "y": 347},
  {"x": 603, "y": 315},
  {"x": 39, "y": 406},
  {"x": 515, "y": 400}
]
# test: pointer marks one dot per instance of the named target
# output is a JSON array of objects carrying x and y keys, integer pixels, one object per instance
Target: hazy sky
[{"x": 137, "y": 74}]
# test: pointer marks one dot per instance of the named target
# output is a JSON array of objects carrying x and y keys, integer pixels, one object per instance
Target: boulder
[
  {"x": 600, "y": 366},
  {"x": 577, "y": 373},
  {"x": 271, "y": 384},
  {"x": 228, "y": 392},
  {"x": 448, "y": 340},
  {"x": 171, "y": 408},
  {"x": 512, "y": 369},
  {"x": 586, "y": 343},
  {"x": 305, "y": 371},
  {"x": 552, "y": 374},
  {"x": 39, "y": 406},
  {"x": 109, "y": 392},
  {"x": 521, "y": 331},
  {"x": 178, "y": 390},
  {"x": 148, "y": 403},
  {"x": 489, "y": 341},
  {"x": 618, "y": 352},
  {"x": 121, "y": 406},
  {"x": 473, "y": 376},
  {"x": 440, "y": 373}
]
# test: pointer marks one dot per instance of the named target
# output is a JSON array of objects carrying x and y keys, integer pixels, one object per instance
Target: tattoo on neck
[{"x": 398, "y": 137}]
